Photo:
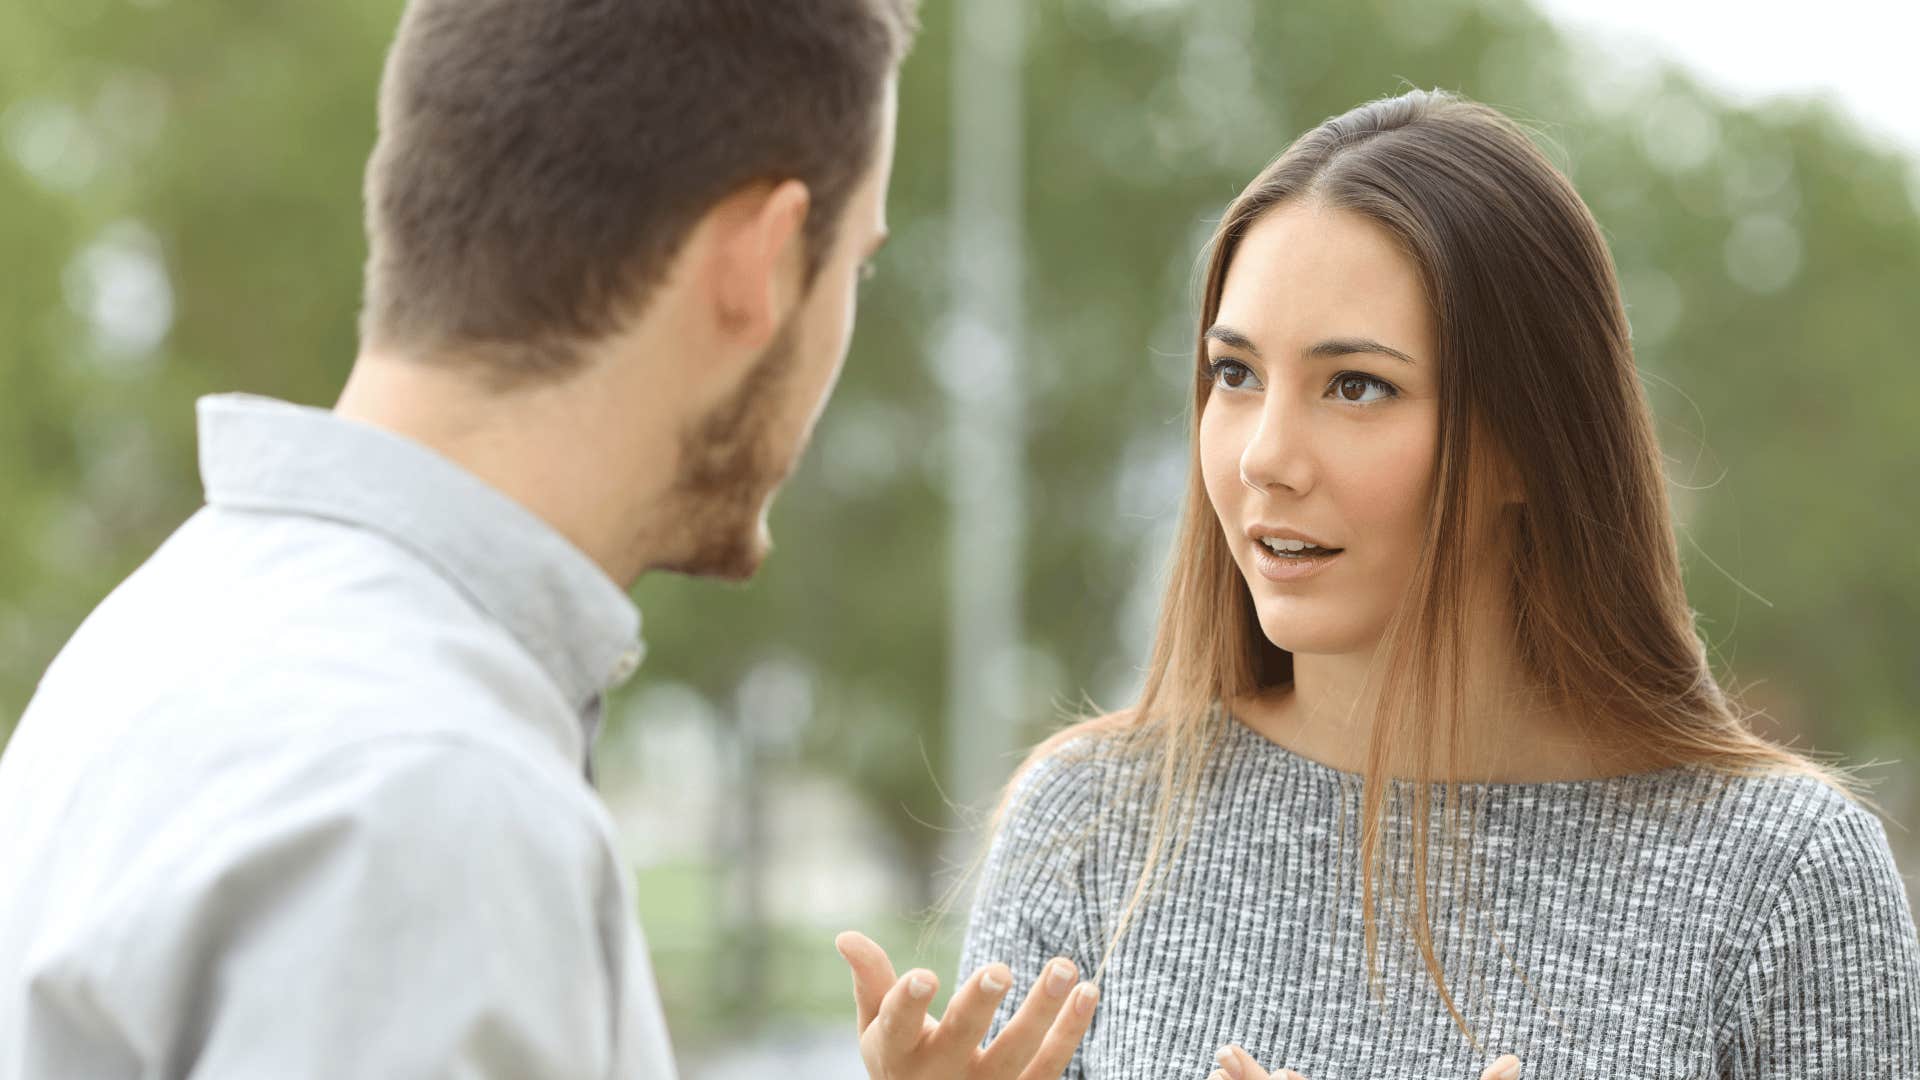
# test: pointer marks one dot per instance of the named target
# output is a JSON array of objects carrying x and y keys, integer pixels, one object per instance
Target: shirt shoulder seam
[{"x": 1817, "y": 828}]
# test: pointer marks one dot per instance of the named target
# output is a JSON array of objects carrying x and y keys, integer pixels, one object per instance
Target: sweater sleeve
[
  {"x": 1829, "y": 986},
  {"x": 1029, "y": 907}
]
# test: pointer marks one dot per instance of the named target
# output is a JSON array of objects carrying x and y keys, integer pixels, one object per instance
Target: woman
[{"x": 1429, "y": 765}]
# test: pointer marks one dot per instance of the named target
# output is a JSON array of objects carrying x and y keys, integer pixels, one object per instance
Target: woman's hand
[
  {"x": 899, "y": 1041},
  {"x": 1237, "y": 1064}
]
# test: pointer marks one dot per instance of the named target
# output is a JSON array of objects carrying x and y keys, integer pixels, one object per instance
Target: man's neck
[{"x": 556, "y": 449}]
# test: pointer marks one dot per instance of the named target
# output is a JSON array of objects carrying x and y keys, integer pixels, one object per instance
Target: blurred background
[{"x": 993, "y": 489}]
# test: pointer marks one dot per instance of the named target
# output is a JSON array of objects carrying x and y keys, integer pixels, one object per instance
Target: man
[{"x": 309, "y": 794}]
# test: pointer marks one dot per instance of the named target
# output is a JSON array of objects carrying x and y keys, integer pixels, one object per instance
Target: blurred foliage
[
  {"x": 800, "y": 980},
  {"x": 179, "y": 209}
]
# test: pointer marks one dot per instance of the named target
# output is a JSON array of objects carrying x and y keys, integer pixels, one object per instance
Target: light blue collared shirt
[{"x": 304, "y": 797}]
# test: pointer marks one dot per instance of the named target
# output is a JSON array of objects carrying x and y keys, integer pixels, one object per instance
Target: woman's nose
[{"x": 1278, "y": 455}]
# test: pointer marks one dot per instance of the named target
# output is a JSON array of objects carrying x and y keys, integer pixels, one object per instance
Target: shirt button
[{"x": 624, "y": 667}]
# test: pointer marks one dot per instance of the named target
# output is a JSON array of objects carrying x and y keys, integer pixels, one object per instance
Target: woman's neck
[{"x": 1508, "y": 735}]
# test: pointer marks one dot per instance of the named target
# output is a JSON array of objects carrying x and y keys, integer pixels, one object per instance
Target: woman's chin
[{"x": 1311, "y": 636}]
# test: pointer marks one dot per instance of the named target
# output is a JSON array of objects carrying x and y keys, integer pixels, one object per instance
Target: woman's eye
[
  {"x": 1232, "y": 375},
  {"x": 1357, "y": 389}
]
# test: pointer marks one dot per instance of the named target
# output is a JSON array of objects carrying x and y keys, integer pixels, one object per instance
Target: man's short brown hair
[{"x": 540, "y": 161}]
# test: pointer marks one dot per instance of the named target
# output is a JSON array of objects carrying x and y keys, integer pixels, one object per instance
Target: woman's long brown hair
[{"x": 1534, "y": 360}]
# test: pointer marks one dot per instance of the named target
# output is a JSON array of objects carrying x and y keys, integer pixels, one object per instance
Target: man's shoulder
[
  {"x": 417, "y": 790},
  {"x": 233, "y": 633},
  {"x": 231, "y": 584},
  {"x": 398, "y": 811}
]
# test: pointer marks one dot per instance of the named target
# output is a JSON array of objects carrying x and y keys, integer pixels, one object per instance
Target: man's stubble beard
[{"x": 729, "y": 470}]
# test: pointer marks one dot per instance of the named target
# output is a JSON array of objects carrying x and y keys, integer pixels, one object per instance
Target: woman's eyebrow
[
  {"x": 1350, "y": 346},
  {"x": 1332, "y": 347},
  {"x": 1232, "y": 339}
]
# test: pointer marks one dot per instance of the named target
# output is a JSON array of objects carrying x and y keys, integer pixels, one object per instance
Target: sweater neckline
[{"x": 1238, "y": 731}]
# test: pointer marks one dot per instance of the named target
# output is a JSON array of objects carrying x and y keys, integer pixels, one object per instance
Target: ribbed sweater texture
[{"x": 1680, "y": 923}]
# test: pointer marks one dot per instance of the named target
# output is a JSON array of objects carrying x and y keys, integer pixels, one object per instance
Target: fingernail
[
  {"x": 1059, "y": 978},
  {"x": 994, "y": 980},
  {"x": 919, "y": 986},
  {"x": 1084, "y": 1001},
  {"x": 1229, "y": 1062},
  {"x": 1506, "y": 1070}
]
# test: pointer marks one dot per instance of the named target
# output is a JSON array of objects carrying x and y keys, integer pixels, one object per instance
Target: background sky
[{"x": 1860, "y": 52}]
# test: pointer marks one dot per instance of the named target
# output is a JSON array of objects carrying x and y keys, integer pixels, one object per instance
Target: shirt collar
[{"x": 257, "y": 453}]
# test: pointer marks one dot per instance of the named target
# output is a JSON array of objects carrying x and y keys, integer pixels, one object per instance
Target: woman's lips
[{"x": 1290, "y": 568}]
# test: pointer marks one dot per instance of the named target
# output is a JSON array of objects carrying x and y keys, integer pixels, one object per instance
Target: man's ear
[{"x": 757, "y": 266}]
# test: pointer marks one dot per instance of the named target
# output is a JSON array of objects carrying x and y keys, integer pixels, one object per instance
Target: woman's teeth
[{"x": 1296, "y": 548}]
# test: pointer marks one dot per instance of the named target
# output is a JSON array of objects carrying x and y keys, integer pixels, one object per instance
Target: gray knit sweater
[{"x": 1672, "y": 924}]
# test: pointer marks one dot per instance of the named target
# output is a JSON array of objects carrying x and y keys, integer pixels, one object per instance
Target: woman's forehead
[{"x": 1310, "y": 271}]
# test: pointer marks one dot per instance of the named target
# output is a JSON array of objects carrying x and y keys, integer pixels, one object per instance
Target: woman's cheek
[
  {"x": 1388, "y": 498},
  {"x": 1220, "y": 467}
]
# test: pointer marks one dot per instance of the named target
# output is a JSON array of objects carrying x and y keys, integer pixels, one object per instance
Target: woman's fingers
[
  {"x": 970, "y": 1013},
  {"x": 1063, "y": 1037},
  {"x": 1504, "y": 1067},
  {"x": 872, "y": 975},
  {"x": 903, "y": 1015},
  {"x": 1237, "y": 1064},
  {"x": 1017, "y": 1042}
]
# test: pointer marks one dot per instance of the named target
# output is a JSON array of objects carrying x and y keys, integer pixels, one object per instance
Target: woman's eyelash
[
  {"x": 1337, "y": 386},
  {"x": 1221, "y": 370}
]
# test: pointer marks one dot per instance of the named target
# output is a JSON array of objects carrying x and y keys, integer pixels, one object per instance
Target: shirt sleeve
[
  {"x": 1830, "y": 985},
  {"x": 1029, "y": 906},
  {"x": 427, "y": 911}
]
